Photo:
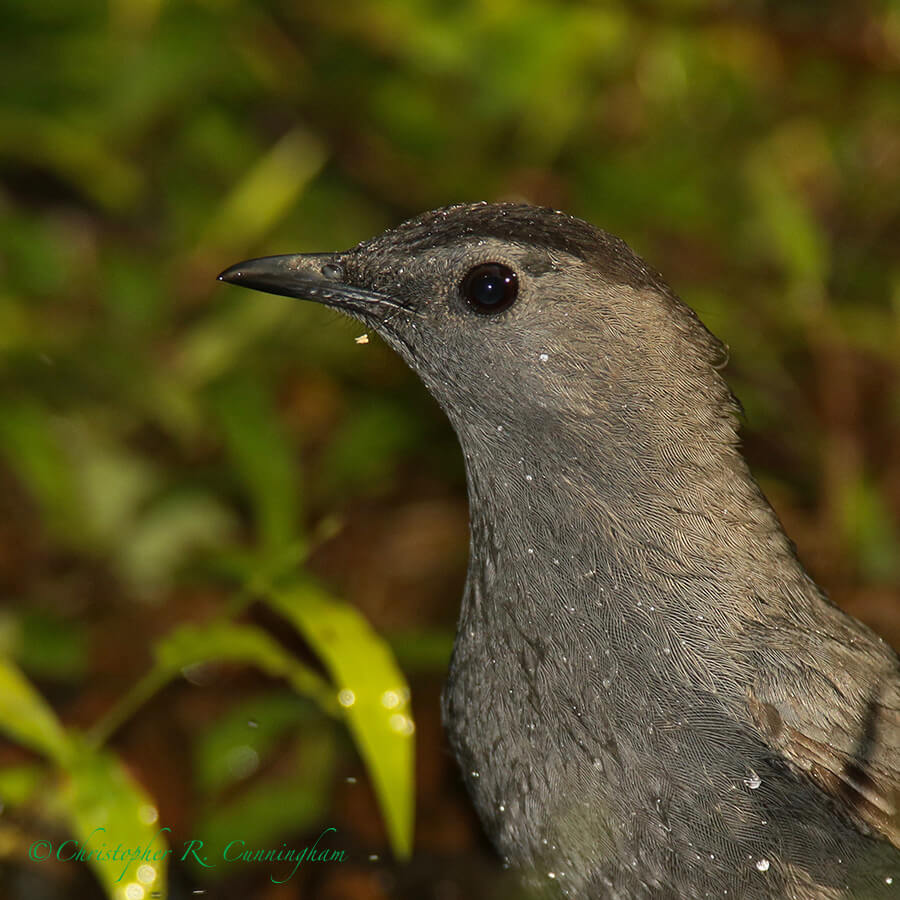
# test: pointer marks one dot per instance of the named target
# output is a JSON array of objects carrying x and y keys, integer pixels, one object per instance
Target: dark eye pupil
[
  {"x": 487, "y": 290},
  {"x": 490, "y": 287}
]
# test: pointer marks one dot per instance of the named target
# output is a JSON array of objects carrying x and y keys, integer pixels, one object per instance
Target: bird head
[{"x": 518, "y": 316}]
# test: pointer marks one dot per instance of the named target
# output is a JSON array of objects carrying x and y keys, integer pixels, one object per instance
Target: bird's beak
[{"x": 307, "y": 276}]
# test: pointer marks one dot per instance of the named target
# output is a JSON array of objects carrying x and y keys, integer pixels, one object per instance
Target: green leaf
[
  {"x": 51, "y": 646},
  {"x": 26, "y": 717},
  {"x": 113, "y": 482},
  {"x": 217, "y": 641},
  {"x": 288, "y": 800},
  {"x": 76, "y": 155},
  {"x": 214, "y": 346},
  {"x": 262, "y": 458},
  {"x": 365, "y": 449},
  {"x": 33, "y": 447},
  {"x": 105, "y": 807},
  {"x": 422, "y": 649},
  {"x": 372, "y": 692},
  {"x": 255, "y": 725},
  {"x": 108, "y": 809},
  {"x": 18, "y": 783},
  {"x": 786, "y": 223},
  {"x": 869, "y": 530},
  {"x": 267, "y": 192},
  {"x": 167, "y": 533},
  {"x": 191, "y": 645}
]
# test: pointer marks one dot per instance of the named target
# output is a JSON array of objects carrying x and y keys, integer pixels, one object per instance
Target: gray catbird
[{"x": 649, "y": 697}]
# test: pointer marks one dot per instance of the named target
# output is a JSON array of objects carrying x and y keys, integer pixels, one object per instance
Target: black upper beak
[{"x": 308, "y": 276}]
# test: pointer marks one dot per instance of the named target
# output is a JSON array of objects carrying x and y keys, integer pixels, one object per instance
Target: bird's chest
[
  {"x": 497, "y": 723},
  {"x": 527, "y": 725}
]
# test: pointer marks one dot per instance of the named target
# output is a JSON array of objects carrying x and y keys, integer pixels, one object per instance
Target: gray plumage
[{"x": 649, "y": 697}]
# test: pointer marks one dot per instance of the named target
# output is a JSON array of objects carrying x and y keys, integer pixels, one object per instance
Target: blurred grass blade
[
  {"x": 262, "y": 459},
  {"x": 213, "y": 347},
  {"x": 75, "y": 155},
  {"x": 787, "y": 224},
  {"x": 114, "y": 482},
  {"x": 18, "y": 783},
  {"x": 266, "y": 193},
  {"x": 277, "y": 716},
  {"x": 372, "y": 692},
  {"x": 217, "y": 641},
  {"x": 290, "y": 800},
  {"x": 102, "y": 803},
  {"x": 26, "y": 717},
  {"x": 869, "y": 530},
  {"x": 167, "y": 534},
  {"x": 31, "y": 443},
  {"x": 191, "y": 645},
  {"x": 107, "y": 807},
  {"x": 134, "y": 16},
  {"x": 424, "y": 650}
]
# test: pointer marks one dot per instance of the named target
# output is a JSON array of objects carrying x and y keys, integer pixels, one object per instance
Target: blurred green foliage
[{"x": 177, "y": 460}]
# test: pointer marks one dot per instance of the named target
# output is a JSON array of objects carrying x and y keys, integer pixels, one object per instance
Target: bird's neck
[
  {"x": 600, "y": 582},
  {"x": 666, "y": 542}
]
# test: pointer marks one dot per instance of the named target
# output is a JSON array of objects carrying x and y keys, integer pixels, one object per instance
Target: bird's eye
[{"x": 490, "y": 287}]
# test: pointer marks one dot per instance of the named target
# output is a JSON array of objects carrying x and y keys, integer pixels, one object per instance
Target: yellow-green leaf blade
[
  {"x": 107, "y": 808},
  {"x": 267, "y": 191},
  {"x": 26, "y": 717},
  {"x": 228, "y": 642},
  {"x": 372, "y": 692},
  {"x": 18, "y": 783}
]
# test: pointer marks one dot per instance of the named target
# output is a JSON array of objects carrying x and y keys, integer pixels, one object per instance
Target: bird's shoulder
[{"x": 835, "y": 715}]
